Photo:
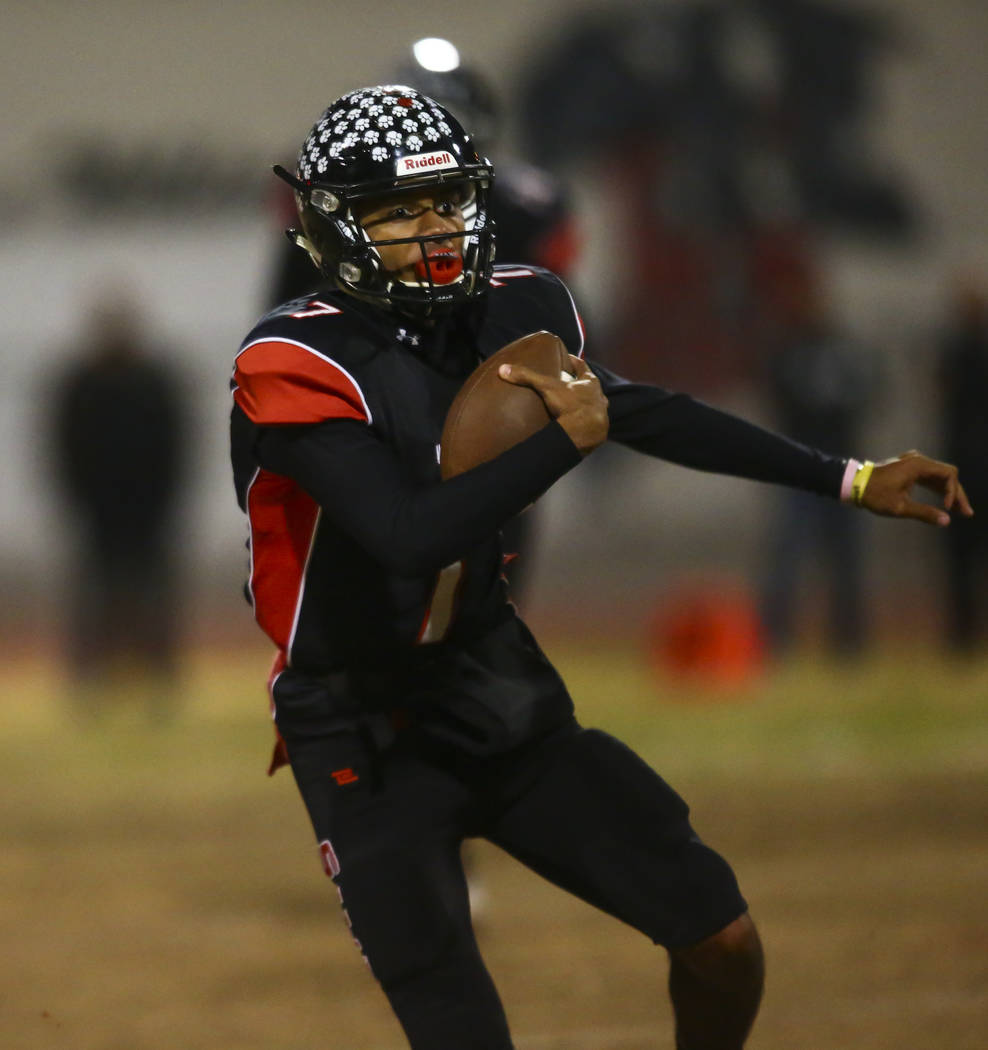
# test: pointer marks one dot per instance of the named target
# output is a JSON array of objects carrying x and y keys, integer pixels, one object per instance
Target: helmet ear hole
[{"x": 350, "y": 272}]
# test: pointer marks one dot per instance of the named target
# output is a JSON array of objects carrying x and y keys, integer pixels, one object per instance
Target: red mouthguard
[{"x": 442, "y": 267}]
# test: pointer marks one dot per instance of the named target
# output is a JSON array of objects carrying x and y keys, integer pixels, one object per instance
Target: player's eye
[{"x": 393, "y": 213}]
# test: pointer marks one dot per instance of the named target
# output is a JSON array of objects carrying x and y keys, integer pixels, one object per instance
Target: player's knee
[
  {"x": 729, "y": 957},
  {"x": 407, "y": 958}
]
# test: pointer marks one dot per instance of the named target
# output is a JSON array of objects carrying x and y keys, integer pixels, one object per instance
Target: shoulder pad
[
  {"x": 326, "y": 321},
  {"x": 277, "y": 380},
  {"x": 531, "y": 298}
]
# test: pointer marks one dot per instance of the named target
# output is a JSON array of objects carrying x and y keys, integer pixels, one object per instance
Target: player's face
[{"x": 435, "y": 212}]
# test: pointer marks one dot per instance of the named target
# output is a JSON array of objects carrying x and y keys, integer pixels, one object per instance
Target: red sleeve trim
[{"x": 279, "y": 381}]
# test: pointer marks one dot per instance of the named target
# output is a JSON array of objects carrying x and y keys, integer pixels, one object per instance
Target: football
[{"x": 490, "y": 415}]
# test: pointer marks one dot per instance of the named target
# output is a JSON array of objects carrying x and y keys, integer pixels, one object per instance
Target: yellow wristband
[{"x": 860, "y": 481}]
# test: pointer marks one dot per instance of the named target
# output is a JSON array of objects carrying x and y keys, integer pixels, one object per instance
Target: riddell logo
[{"x": 425, "y": 162}]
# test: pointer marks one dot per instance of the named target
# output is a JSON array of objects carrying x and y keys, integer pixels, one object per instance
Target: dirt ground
[{"x": 159, "y": 892}]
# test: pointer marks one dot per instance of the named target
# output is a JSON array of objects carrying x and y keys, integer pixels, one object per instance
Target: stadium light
[{"x": 435, "y": 54}]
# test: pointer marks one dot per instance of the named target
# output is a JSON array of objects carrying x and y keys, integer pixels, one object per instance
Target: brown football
[{"x": 490, "y": 415}]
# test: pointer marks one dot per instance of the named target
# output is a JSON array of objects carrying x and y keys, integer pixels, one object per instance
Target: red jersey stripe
[
  {"x": 282, "y": 519},
  {"x": 279, "y": 381}
]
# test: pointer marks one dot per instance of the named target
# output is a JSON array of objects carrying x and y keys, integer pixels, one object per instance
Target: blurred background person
[
  {"x": 963, "y": 384},
  {"x": 118, "y": 439},
  {"x": 723, "y": 140},
  {"x": 822, "y": 388},
  {"x": 728, "y": 136}
]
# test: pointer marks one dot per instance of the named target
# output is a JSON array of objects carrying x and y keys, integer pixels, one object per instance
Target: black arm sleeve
[
  {"x": 407, "y": 527},
  {"x": 679, "y": 429}
]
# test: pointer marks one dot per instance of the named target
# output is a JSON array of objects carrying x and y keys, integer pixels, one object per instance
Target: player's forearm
[
  {"x": 411, "y": 528},
  {"x": 456, "y": 515},
  {"x": 683, "y": 430}
]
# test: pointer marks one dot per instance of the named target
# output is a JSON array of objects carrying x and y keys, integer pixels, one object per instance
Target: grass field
[{"x": 158, "y": 891}]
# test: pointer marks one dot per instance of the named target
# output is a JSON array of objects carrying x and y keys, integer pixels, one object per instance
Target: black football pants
[{"x": 579, "y": 807}]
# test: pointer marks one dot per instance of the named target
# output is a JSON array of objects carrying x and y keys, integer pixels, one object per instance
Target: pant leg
[
  {"x": 390, "y": 827},
  {"x": 602, "y": 824}
]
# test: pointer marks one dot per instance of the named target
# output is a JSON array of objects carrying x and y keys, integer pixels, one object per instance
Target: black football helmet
[{"x": 377, "y": 140}]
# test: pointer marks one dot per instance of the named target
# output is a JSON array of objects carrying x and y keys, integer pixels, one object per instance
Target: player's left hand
[{"x": 889, "y": 488}]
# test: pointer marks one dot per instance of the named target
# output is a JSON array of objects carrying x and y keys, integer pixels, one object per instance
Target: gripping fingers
[
  {"x": 579, "y": 373},
  {"x": 577, "y": 402},
  {"x": 522, "y": 375},
  {"x": 550, "y": 388}
]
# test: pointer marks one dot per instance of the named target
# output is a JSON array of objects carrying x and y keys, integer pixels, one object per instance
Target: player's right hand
[{"x": 575, "y": 401}]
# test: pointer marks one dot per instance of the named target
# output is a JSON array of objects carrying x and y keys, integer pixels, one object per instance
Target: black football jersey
[{"x": 381, "y": 585}]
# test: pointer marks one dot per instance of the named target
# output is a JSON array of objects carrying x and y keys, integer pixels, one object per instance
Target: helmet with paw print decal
[{"x": 376, "y": 141}]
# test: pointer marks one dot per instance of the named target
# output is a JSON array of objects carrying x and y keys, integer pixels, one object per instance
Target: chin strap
[{"x": 298, "y": 238}]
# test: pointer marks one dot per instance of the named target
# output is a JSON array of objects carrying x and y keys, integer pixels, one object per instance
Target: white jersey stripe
[
  {"x": 577, "y": 318},
  {"x": 301, "y": 588},
  {"x": 250, "y": 541}
]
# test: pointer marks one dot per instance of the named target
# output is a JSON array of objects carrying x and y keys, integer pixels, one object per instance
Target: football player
[{"x": 413, "y": 705}]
